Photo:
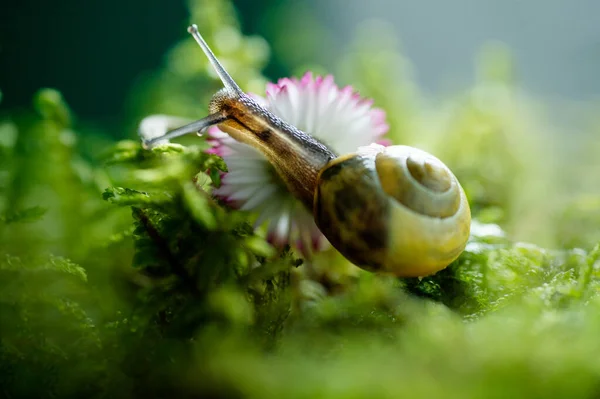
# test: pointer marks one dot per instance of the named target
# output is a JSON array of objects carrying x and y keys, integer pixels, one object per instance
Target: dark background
[
  {"x": 93, "y": 51},
  {"x": 90, "y": 51}
]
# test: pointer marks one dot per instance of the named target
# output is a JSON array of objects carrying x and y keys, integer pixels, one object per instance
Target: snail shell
[{"x": 393, "y": 209}]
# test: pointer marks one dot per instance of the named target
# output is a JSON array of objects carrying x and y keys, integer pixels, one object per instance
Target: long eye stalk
[
  {"x": 194, "y": 127},
  {"x": 227, "y": 80}
]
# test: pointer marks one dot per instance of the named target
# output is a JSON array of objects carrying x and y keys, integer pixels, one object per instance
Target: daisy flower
[{"x": 316, "y": 105}]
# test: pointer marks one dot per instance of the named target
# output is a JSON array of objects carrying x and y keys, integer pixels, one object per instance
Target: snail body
[{"x": 396, "y": 209}]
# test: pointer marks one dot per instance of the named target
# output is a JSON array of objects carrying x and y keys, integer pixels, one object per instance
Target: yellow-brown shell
[{"x": 393, "y": 209}]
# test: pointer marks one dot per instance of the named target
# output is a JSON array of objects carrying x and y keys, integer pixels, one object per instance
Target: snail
[{"x": 396, "y": 210}]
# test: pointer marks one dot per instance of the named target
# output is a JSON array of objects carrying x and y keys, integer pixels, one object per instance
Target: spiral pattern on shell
[{"x": 418, "y": 180}]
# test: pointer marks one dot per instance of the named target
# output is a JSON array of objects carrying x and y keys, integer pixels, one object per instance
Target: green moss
[{"x": 121, "y": 276}]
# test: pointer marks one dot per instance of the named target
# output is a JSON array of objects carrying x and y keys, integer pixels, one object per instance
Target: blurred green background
[
  {"x": 121, "y": 277},
  {"x": 94, "y": 52}
]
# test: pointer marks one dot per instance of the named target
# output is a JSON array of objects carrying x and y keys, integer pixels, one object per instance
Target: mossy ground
[{"x": 120, "y": 275}]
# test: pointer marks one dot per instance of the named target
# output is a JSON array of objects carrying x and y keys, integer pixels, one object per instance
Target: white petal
[
  {"x": 260, "y": 197},
  {"x": 238, "y": 177},
  {"x": 245, "y": 192},
  {"x": 283, "y": 225}
]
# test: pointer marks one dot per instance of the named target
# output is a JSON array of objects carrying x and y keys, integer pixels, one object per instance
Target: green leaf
[
  {"x": 199, "y": 205},
  {"x": 215, "y": 176},
  {"x": 51, "y": 105},
  {"x": 53, "y": 263},
  {"x": 128, "y": 197},
  {"x": 216, "y": 162},
  {"x": 588, "y": 268},
  {"x": 259, "y": 246},
  {"x": 28, "y": 215},
  {"x": 64, "y": 265},
  {"x": 124, "y": 151}
]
